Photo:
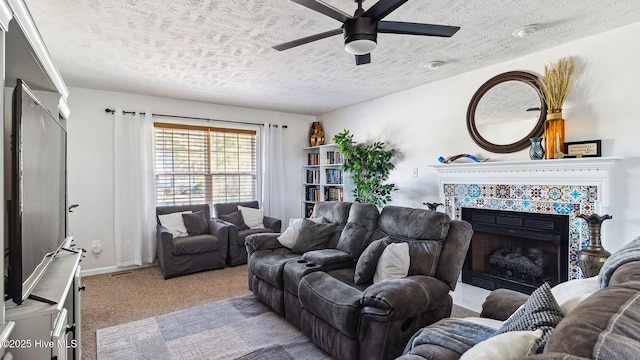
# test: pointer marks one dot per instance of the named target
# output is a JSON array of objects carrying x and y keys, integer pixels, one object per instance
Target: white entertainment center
[{"x": 47, "y": 327}]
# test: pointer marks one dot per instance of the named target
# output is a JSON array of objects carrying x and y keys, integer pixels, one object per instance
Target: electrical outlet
[
  {"x": 96, "y": 243},
  {"x": 415, "y": 172}
]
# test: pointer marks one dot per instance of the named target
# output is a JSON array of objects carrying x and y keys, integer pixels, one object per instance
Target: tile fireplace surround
[{"x": 562, "y": 187}]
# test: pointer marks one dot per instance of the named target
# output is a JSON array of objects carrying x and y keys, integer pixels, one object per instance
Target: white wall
[
  {"x": 429, "y": 121},
  {"x": 91, "y": 148}
]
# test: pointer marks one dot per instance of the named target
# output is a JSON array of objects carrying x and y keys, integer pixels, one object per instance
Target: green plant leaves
[{"x": 369, "y": 166}]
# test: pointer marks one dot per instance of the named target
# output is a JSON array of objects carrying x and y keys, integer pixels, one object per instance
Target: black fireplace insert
[{"x": 516, "y": 250}]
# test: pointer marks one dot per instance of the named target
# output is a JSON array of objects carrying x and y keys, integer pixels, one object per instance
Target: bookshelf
[{"x": 322, "y": 176}]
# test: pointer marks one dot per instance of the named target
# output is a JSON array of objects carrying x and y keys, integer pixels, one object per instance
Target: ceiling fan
[{"x": 361, "y": 30}]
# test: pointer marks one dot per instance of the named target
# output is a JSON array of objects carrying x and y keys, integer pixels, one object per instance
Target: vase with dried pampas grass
[{"x": 558, "y": 79}]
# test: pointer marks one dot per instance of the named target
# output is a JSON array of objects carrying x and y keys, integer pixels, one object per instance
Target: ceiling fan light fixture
[{"x": 360, "y": 46}]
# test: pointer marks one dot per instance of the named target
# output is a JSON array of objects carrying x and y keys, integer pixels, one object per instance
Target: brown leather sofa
[
  {"x": 604, "y": 325},
  {"x": 316, "y": 291}
]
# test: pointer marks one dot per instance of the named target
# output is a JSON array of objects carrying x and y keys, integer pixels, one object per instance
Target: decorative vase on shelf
[
  {"x": 554, "y": 135},
  {"x": 591, "y": 257},
  {"x": 316, "y": 135},
  {"x": 536, "y": 152}
]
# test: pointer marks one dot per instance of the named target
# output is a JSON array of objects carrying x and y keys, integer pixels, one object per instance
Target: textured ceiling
[{"x": 220, "y": 51}]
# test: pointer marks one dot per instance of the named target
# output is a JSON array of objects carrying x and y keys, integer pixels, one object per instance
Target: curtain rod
[{"x": 190, "y": 117}]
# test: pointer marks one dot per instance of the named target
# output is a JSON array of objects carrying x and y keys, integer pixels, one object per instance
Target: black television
[{"x": 37, "y": 209}]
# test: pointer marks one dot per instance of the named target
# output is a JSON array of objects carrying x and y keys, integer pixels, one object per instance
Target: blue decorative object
[
  {"x": 536, "y": 152},
  {"x": 456, "y": 157}
]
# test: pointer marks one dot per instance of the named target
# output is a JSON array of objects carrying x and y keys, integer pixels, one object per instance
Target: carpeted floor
[
  {"x": 142, "y": 294},
  {"x": 122, "y": 297},
  {"x": 238, "y": 328}
]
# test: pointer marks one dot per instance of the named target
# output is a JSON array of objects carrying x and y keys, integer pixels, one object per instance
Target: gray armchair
[
  {"x": 189, "y": 254},
  {"x": 226, "y": 214}
]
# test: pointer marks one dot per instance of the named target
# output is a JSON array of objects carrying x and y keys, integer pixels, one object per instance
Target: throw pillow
[
  {"x": 288, "y": 237},
  {"x": 236, "y": 219},
  {"x": 196, "y": 223},
  {"x": 312, "y": 236},
  {"x": 541, "y": 311},
  {"x": 570, "y": 293},
  {"x": 393, "y": 263},
  {"x": 514, "y": 345},
  {"x": 174, "y": 223},
  {"x": 368, "y": 261},
  {"x": 252, "y": 217}
]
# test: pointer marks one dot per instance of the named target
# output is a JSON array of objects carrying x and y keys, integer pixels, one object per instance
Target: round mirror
[{"x": 506, "y": 111}]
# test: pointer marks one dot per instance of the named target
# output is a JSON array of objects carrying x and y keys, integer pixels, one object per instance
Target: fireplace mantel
[
  {"x": 560, "y": 186},
  {"x": 583, "y": 171},
  {"x": 589, "y": 167}
]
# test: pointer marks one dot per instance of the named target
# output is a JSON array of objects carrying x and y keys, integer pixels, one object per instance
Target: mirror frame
[{"x": 521, "y": 144}]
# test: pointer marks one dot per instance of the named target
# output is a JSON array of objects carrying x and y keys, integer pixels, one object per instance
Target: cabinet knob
[{"x": 82, "y": 288}]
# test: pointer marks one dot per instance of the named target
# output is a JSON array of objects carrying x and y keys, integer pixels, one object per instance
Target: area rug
[{"x": 238, "y": 328}]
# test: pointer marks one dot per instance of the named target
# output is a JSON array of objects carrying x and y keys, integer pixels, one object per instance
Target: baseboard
[{"x": 112, "y": 269}]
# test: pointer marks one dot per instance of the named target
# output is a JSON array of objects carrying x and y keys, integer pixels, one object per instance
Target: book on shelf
[
  {"x": 313, "y": 159},
  {"x": 334, "y": 157},
  {"x": 334, "y": 194},
  {"x": 333, "y": 176},
  {"x": 313, "y": 177},
  {"x": 308, "y": 210},
  {"x": 312, "y": 193}
]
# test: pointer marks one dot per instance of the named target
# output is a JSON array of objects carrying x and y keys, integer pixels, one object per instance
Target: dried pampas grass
[{"x": 558, "y": 79}]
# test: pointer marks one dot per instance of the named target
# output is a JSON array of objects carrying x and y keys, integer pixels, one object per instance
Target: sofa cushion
[
  {"x": 601, "y": 319},
  {"x": 368, "y": 261},
  {"x": 393, "y": 263},
  {"x": 335, "y": 212},
  {"x": 174, "y": 223},
  {"x": 361, "y": 224},
  {"x": 507, "y": 346},
  {"x": 413, "y": 224},
  {"x": 196, "y": 223},
  {"x": 235, "y": 218},
  {"x": 312, "y": 236},
  {"x": 541, "y": 311},
  {"x": 331, "y": 300},
  {"x": 268, "y": 265},
  {"x": 191, "y": 245},
  {"x": 288, "y": 237},
  {"x": 570, "y": 293},
  {"x": 424, "y": 255},
  {"x": 253, "y": 218}
]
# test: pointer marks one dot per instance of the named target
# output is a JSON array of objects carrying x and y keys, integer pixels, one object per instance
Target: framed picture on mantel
[{"x": 578, "y": 149}]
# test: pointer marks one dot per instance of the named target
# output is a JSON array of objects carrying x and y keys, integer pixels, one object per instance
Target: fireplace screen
[{"x": 515, "y": 250}]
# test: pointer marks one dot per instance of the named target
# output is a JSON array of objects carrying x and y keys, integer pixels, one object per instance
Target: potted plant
[
  {"x": 369, "y": 166},
  {"x": 558, "y": 79}
]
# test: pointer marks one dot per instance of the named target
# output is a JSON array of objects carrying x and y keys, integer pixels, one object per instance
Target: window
[{"x": 196, "y": 164}]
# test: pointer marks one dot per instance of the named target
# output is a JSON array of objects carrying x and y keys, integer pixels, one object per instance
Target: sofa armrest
[
  {"x": 220, "y": 228},
  {"x": 272, "y": 223},
  {"x": 501, "y": 303},
  {"x": 262, "y": 241},
  {"x": 164, "y": 245},
  {"x": 406, "y": 297}
]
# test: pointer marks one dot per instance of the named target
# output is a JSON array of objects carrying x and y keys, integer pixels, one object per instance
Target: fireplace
[
  {"x": 559, "y": 187},
  {"x": 515, "y": 250}
]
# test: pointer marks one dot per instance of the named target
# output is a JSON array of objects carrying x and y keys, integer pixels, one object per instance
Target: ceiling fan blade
[
  {"x": 325, "y": 9},
  {"x": 363, "y": 59},
  {"x": 382, "y": 8},
  {"x": 308, "y": 39},
  {"x": 397, "y": 27}
]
